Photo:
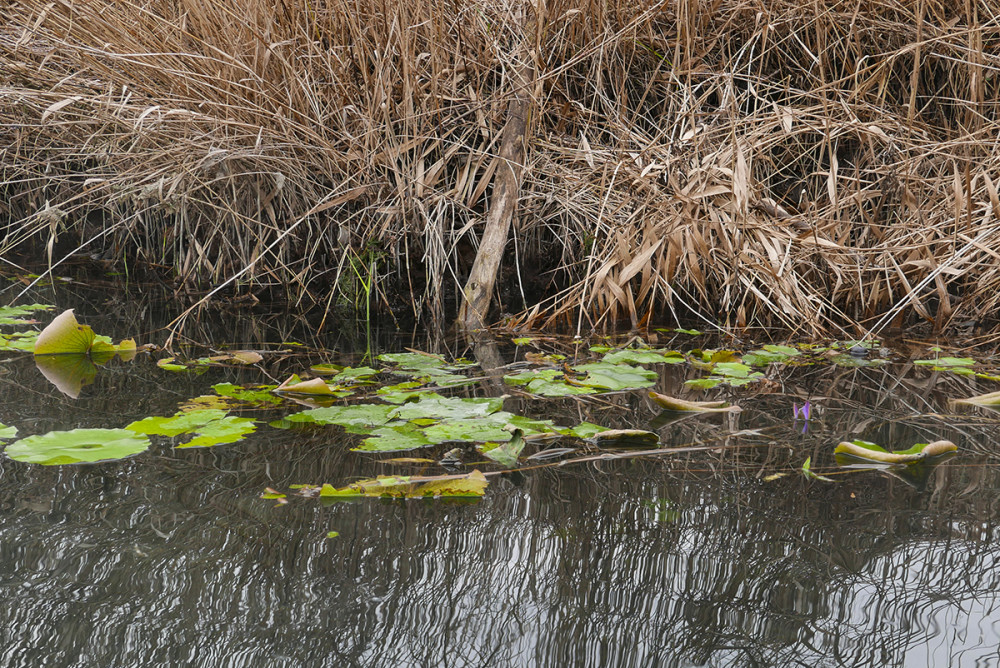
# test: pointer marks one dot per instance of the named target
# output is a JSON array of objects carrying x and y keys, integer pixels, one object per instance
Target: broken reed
[{"x": 806, "y": 165}]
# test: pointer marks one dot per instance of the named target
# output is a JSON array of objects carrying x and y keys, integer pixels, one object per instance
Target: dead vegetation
[{"x": 816, "y": 166}]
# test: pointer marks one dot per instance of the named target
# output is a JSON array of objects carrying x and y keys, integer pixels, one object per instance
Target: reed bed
[{"x": 821, "y": 167}]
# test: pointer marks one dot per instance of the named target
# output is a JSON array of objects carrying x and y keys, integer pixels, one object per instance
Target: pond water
[{"x": 722, "y": 554}]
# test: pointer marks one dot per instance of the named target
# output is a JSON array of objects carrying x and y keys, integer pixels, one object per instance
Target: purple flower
[{"x": 804, "y": 411}]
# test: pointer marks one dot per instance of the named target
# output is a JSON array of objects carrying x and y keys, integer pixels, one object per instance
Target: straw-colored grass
[{"x": 809, "y": 165}]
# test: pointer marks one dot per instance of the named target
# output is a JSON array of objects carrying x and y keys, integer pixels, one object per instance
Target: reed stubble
[{"x": 801, "y": 165}]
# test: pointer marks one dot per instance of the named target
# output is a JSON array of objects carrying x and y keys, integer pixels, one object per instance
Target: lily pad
[
  {"x": 358, "y": 418},
  {"x": 14, "y": 315},
  {"x": 65, "y": 336},
  {"x": 77, "y": 446},
  {"x": 210, "y": 426},
  {"x": 7, "y": 432},
  {"x": 644, "y": 356},
  {"x": 505, "y": 453}
]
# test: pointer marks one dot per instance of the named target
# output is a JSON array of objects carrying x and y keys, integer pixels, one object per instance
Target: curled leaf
[
  {"x": 990, "y": 399},
  {"x": 674, "y": 404},
  {"x": 873, "y": 453}
]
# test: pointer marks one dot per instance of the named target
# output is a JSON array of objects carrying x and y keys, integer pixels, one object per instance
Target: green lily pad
[
  {"x": 616, "y": 377},
  {"x": 14, "y": 315},
  {"x": 21, "y": 341},
  {"x": 357, "y": 418},
  {"x": 467, "y": 430},
  {"x": 229, "y": 429},
  {"x": 7, "y": 432},
  {"x": 505, "y": 453},
  {"x": 547, "y": 383},
  {"x": 210, "y": 426},
  {"x": 257, "y": 394},
  {"x": 77, "y": 446},
  {"x": 644, "y": 356},
  {"x": 394, "y": 437},
  {"x": 446, "y": 408}
]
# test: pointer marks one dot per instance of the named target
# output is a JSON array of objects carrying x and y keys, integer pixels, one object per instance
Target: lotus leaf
[
  {"x": 505, "y": 454},
  {"x": 435, "y": 406},
  {"x": 210, "y": 426},
  {"x": 357, "y": 418},
  {"x": 14, "y": 315},
  {"x": 77, "y": 446},
  {"x": 394, "y": 437},
  {"x": 547, "y": 383},
  {"x": 616, "y": 377},
  {"x": 222, "y": 431},
  {"x": 644, "y": 356}
]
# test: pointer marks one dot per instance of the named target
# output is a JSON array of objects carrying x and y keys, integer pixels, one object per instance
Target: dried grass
[{"x": 805, "y": 165}]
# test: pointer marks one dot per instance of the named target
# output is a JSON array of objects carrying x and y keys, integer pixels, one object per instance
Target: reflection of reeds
[{"x": 798, "y": 164}]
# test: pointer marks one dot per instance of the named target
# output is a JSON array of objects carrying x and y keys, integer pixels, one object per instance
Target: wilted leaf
[
  {"x": 674, "y": 404},
  {"x": 871, "y": 452},
  {"x": 989, "y": 399}
]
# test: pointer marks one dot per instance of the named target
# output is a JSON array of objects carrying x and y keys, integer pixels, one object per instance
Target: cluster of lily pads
[{"x": 411, "y": 413}]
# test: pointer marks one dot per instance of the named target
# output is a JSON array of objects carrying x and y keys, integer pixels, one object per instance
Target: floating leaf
[
  {"x": 175, "y": 425},
  {"x": 22, "y": 341},
  {"x": 314, "y": 387},
  {"x": 690, "y": 332},
  {"x": 871, "y": 452},
  {"x": 989, "y": 399},
  {"x": 674, "y": 404},
  {"x": 355, "y": 417},
  {"x": 65, "y": 336},
  {"x": 505, "y": 454},
  {"x": 223, "y": 431},
  {"x": 7, "y": 432},
  {"x": 615, "y": 377},
  {"x": 14, "y": 315},
  {"x": 644, "y": 356},
  {"x": 332, "y": 534},
  {"x": 77, "y": 446},
  {"x": 467, "y": 429},
  {"x": 210, "y": 426},
  {"x": 438, "y": 407},
  {"x": 256, "y": 394},
  {"x": 547, "y": 383},
  {"x": 946, "y": 362},
  {"x": 522, "y": 340},
  {"x": 395, "y": 437}
]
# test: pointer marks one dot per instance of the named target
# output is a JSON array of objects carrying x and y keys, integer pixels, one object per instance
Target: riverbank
[{"x": 816, "y": 167}]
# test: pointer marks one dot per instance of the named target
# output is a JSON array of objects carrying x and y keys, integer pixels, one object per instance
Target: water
[{"x": 172, "y": 558}]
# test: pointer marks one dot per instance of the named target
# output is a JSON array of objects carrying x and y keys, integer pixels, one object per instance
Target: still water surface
[{"x": 172, "y": 558}]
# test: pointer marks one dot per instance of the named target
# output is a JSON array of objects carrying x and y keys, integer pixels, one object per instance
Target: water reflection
[{"x": 173, "y": 559}]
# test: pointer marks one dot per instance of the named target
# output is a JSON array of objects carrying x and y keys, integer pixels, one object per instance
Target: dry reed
[{"x": 805, "y": 165}]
